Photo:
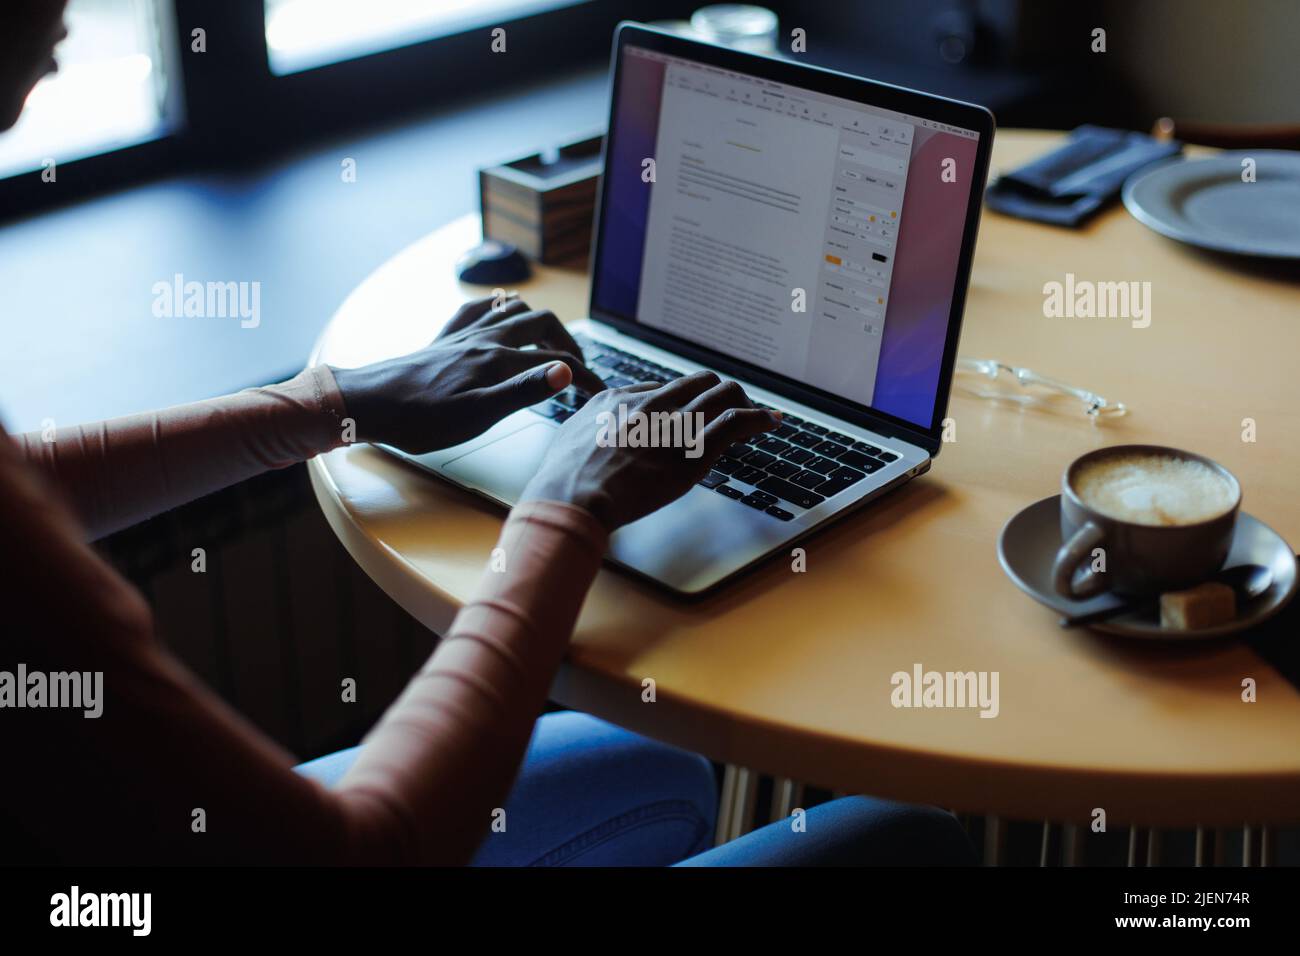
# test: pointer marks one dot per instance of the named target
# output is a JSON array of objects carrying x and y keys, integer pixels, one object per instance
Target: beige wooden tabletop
[{"x": 789, "y": 673}]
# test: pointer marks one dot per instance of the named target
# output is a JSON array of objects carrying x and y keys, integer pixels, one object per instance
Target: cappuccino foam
[{"x": 1154, "y": 489}]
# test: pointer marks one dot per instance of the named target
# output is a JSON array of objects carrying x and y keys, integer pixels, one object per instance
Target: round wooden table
[{"x": 789, "y": 673}]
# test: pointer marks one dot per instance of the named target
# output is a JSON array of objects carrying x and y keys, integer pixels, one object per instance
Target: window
[
  {"x": 132, "y": 100},
  {"x": 110, "y": 90},
  {"x": 302, "y": 34}
]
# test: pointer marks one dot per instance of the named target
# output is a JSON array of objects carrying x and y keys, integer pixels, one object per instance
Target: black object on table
[
  {"x": 1071, "y": 183},
  {"x": 492, "y": 263},
  {"x": 1277, "y": 640}
]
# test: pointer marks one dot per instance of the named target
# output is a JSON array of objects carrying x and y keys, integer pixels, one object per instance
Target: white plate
[{"x": 1204, "y": 202}]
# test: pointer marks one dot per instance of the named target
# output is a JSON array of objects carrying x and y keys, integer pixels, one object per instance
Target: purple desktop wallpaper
[
  {"x": 925, "y": 275},
  {"x": 627, "y": 198},
  {"x": 925, "y": 263}
]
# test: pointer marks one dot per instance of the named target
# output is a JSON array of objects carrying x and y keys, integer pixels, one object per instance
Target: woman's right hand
[{"x": 589, "y": 464}]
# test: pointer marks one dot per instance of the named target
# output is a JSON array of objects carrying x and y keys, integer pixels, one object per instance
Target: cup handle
[{"x": 1068, "y": 557}]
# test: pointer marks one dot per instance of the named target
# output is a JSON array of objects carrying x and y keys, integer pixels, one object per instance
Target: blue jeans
[{"x": 592, "y": 794}]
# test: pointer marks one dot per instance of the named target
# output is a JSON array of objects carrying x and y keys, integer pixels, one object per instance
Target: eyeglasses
[{"x": 1094, "y": 406}]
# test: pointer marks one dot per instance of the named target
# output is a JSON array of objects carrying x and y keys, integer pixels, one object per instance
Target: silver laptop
[{"x": 804, "y": 232}]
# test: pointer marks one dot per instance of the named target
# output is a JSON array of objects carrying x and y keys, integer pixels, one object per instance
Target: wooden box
[{"x": 544, "y": 204}]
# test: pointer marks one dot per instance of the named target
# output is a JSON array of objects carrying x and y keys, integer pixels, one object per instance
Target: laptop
[{"x": 806, "y": 233}]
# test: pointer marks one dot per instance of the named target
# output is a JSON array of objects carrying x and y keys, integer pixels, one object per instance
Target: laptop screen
[{"x": 813, "y": 237}]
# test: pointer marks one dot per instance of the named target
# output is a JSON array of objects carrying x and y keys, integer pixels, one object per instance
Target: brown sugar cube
[{"x": 1205, "y": 605}]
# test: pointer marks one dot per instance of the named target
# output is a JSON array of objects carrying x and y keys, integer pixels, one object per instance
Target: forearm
[
  {"x": 166, "y": 753},
  {"x": 445, "y": 755},
  {"x": 116, "y": 473}
]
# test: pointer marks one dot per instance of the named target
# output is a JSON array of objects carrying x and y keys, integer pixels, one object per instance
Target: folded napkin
[{"x": 1071, "y": 183}]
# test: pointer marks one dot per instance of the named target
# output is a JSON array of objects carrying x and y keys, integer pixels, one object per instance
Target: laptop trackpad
[{"x": 503, "y": 468}]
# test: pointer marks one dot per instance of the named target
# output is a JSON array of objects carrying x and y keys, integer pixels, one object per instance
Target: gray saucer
[
  {"x": 1028, "y": 545},
  {"x": 1204, "y": 202}
]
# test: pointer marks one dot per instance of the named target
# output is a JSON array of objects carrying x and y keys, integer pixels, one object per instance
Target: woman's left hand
[{"x": 486, "y": 363}]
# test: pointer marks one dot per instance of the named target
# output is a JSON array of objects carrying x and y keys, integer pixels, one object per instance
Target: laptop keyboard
[{"x": 796, "y": 466}]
